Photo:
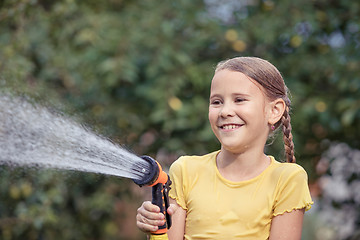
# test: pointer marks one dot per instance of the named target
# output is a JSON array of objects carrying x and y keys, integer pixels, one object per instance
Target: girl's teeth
[{"x": 227, "y": 127}]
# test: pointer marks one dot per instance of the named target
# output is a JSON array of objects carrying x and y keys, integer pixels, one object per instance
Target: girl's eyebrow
[
  {"x": 241, "y": 94},
  {"x": 233, "y": 94},
  {"x": 215, "y": 96}
]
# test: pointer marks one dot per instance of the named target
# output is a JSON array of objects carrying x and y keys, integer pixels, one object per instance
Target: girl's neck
[{"x": 238, "y": 167}]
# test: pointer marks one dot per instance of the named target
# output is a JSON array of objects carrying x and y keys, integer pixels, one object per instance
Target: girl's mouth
[{"x": 230, "y": 126}]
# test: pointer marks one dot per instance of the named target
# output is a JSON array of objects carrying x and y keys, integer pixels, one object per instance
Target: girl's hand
[{"x": 148, "y": 217}]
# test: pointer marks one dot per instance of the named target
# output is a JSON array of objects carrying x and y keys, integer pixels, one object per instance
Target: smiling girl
[{"x": 238, "y": 192}]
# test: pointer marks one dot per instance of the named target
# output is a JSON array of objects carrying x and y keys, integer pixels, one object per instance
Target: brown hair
[{"x": 273, "y": 83}]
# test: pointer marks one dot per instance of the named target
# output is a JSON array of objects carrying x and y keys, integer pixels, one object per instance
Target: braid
[{"x": 288, "y": 138}]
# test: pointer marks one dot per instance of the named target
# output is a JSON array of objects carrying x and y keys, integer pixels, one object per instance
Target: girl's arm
[
  {"x": 148, "y": 219},
  {"x": 178, "y": 216},
  {"x": 287, "y": 226}
]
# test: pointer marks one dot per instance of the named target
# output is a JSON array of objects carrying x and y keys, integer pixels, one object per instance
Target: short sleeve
[
  {"x": 293, "y": 192},
  {"x": 177, "y": 177}
]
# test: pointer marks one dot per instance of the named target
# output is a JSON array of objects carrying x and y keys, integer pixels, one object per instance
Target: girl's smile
[{"x": 230, "y": 127}]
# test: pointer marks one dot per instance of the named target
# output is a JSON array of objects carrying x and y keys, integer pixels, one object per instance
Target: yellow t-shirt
[{"x": 221, "y": 209}]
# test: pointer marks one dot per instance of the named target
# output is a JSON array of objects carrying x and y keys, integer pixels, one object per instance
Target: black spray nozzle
[{"x": 152, "y": 175}]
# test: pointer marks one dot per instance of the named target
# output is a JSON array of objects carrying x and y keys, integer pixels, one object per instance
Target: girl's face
[{"x": 238, "y": 111}]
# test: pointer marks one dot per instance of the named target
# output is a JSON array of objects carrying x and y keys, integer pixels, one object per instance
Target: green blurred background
[{"x": 138, "y": 72}]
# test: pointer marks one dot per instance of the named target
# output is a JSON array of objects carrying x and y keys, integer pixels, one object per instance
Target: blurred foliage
[{"x": 139, "y": 72}]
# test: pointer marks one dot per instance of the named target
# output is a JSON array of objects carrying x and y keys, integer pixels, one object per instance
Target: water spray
[{"x": 31, "y": 135}]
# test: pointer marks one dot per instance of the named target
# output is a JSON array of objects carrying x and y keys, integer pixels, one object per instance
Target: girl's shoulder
[
  {"x": 288, "y": 170},
  {"x": 195, "y": 161},
  {"x": 197, "y": 158}
]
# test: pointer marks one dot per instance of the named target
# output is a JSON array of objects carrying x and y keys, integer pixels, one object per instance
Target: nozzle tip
[{"x": 150, "y": 175}]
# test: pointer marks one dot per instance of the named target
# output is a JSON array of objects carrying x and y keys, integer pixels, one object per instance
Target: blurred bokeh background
[{"x": 138, "y": 72}]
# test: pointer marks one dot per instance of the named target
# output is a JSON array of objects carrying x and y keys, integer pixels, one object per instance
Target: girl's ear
[{"x": 277, "y": 108}]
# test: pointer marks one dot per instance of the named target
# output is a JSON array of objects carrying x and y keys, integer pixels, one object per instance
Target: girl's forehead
[{"x": 235, "y": 81}]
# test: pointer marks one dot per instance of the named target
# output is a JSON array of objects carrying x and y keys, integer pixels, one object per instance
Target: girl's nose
[{"x": 227, "y": 110}]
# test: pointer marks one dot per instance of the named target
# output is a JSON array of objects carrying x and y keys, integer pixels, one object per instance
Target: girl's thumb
[{"x": 172, "y": 209}]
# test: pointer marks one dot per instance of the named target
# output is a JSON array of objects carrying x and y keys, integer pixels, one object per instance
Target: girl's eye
[
  {"x": 238, "y": 100},
  {"x": 215, "y": 102}
]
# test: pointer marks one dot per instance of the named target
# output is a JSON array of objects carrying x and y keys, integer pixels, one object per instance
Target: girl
[{"x": 238, "y": 192}]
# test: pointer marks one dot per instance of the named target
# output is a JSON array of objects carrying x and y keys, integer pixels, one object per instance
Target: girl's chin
[{"x": 234, "y": 148}]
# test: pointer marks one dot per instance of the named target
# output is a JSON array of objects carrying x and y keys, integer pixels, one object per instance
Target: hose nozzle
[
  {"x": 160, "y": 183},
  {"x": 154, "y": 176}
]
